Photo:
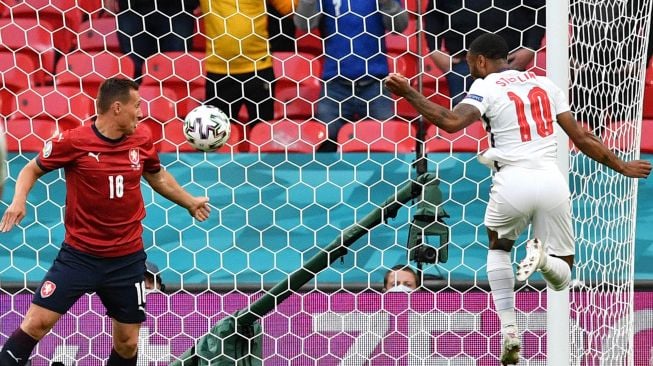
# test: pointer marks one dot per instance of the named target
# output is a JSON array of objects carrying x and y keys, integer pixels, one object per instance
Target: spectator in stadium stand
[
  {"x": 102, "y": 250},
  {"x": 355, "y": 61},
  {"x": 450, "y": 26},
  {"x": 281, "y": 31},
  {"x": 238, "y": 63},
  {"x": 153, "y": 281},
  {"x": 400, "y": 278},
  {"x": 147, "y": 27}
]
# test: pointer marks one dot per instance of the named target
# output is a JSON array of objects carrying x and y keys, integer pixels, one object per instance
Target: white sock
[
  {"x": 556, "y": 273},
  {"x": 502, "y": 283}
]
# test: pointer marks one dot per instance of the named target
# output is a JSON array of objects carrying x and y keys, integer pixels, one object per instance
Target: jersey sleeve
[
  {"x": 152, "y": 163},
  {"x": 559, "y": 100},
  {"x": 57, "y": 152},
  {"x": 478, "y": 96}
]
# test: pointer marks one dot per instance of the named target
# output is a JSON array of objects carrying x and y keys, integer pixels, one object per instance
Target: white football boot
[
  {"x": 511, "y": 346},
  {"x": 534, "y": 260}
]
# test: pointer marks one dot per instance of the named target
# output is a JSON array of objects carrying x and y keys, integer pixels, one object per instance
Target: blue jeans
[
  {"x": 342, "y": 101},
  {"x": 459, "y": 81},
  {"x": 143, "y": 36}
]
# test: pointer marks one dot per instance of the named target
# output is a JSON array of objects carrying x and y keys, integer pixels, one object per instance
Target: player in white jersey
[{"x": 522, "y": 113}]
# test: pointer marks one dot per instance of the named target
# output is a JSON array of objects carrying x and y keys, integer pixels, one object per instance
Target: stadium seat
[
  {"x": 27, "y": 37},
  {"x": 199, "y": 37},
  {"x": 17, "y": 73},
  {"x": 99, "y": 34},
  {"x": 61, "y": 17},
  {"x": 68, "y": 106},
  {"x": 647, "y": 136},
  {"x": 89, "y": 70},
  {"x": 182, "y": 72},
  {"x": 29, "y": 134},
  {"x": 376, "y": 136},
  {"x": 297, "y": 85},
  {"x": 405, "y": 64},
  {"x": 158, "y": 106},
  {"x": 620, "y": 135},
  {"x": 287, "y": 136},
  {"x": 174, "y": 140},
  {"x": 648, "y": 93},
  {"x": 474, "y": 139},
  {"x": 92, "y": 8},
  {"x": 309, "y": 43}
]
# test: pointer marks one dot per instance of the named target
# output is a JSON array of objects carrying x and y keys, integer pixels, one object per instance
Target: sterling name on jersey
[
  {"x": 104, "y": 203},
  {"x": 519, "y": 110}
]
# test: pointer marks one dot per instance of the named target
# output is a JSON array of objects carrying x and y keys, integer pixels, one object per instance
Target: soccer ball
[{"x": 207, "y": 128}]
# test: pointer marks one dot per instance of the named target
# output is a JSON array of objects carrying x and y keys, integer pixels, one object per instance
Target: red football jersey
[{"x": 104, "y": 203}]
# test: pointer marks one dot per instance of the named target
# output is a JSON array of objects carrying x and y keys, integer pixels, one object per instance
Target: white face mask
[{"x": 400, "y": 288}]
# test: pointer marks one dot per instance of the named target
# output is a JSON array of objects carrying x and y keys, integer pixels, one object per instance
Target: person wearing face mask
[{"x": 400, "y": 278}]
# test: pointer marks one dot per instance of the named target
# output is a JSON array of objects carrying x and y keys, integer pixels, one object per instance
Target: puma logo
[
  {"x": 94, "y": 155},
  {"x": 14, "y": 357}
]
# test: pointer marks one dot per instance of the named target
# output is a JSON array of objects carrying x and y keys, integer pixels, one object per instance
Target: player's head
[
  {"x": 119, "y": 101},
  {"x": 153, "y": 278},
  {"x": 400, "y": 278},
  {"x": 487, "y": 54}
]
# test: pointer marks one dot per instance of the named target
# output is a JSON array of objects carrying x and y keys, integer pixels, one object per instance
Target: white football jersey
[{"x": 519, "y": 110}]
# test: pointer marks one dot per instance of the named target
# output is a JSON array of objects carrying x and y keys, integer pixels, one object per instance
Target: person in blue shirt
[{"x": 355, "y": 61}]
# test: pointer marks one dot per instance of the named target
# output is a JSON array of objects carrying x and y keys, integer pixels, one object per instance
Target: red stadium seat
[
  {"x": 287, "y": 136},
  {"x": 29, "y": 134},
  {"x": 309, "y": 43},
  {"x": 92, "y": 8},
  {"x": 158, "y": 106},
  {"x": 474, "y": 139},
  {"x": 89, "y": 70},
  {"x": 99, "y": 34},
  {"x": 648, "y": 93},
  {"x": 297, "y": 85},
  {"x": 61, "y": 17},
  {"x": 199, "y": 37},
  {"x": 620, "y": 135},
  {"x": 27, "y": 37},
  {"x": 182, "y": 72},
  {"x": 174, "y": 140},
  {"x": 647, "y": 136},
  {"x": 375, "y": 136},
  {"x": 68, "y": 106},
  {"x": 17, "y": 73}
]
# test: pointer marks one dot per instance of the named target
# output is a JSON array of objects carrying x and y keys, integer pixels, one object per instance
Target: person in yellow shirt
[{"x": 238, "y": 63}]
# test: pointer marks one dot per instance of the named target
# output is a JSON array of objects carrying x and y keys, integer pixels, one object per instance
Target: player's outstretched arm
[
  {"x": 17, "y": 210},
  {"x": 462, "y": 116},
  {"x": 591, "y": 146},
  {"x": 166, "y": 185}
]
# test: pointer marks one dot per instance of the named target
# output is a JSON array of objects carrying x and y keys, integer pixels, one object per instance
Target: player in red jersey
[{"x": 103, "y": 250}]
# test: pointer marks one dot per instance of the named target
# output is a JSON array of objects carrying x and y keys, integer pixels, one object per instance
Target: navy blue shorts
[{"x": 118, "y": 281}]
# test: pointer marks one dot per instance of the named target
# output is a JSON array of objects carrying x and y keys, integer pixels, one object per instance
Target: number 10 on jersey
[{"x": 540, "y": 107}]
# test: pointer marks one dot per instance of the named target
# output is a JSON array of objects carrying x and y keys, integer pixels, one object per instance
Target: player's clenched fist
[{"x": 397, "y": 84}]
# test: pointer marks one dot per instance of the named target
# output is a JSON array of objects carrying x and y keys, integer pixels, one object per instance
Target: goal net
[{"x": 277, "y": 201}]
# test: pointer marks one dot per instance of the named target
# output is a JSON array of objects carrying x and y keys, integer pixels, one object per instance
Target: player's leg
[
  {"x": 552, "y": 252},
  {"x": 64, "y": 283},
  {"x": 125, "y": 343},
  {"x": 506, "y": 217},
  {"x": 123, "y": 294}
]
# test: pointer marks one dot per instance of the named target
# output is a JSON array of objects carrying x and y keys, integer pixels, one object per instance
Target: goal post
[{"x": 557, "y": 69}]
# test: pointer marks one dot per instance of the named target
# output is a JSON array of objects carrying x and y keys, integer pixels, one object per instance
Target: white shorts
[{"x": 520, "y": 196}]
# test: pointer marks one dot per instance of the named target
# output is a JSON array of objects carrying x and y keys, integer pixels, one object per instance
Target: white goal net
[{"x": 278, "y": 200}]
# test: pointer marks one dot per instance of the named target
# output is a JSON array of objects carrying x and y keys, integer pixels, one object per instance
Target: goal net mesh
[{"x": 277, "y": 201}]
